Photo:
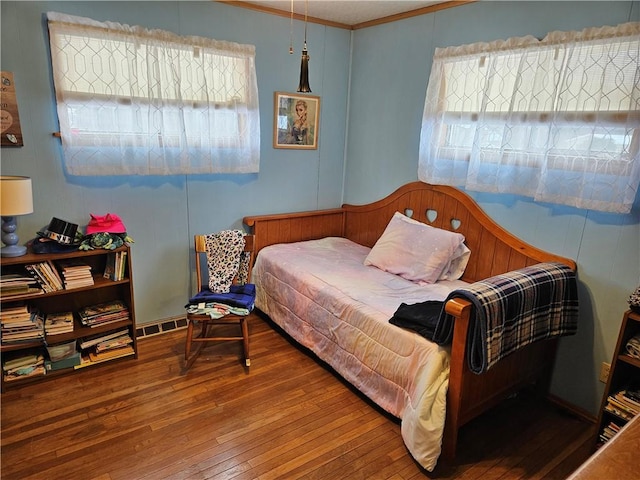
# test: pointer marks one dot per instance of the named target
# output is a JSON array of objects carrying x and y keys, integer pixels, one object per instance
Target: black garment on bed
[{"x": 420, "y": 317}]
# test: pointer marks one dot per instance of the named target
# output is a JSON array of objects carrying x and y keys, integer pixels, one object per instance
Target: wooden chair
[{"x": 208, "y": 324}]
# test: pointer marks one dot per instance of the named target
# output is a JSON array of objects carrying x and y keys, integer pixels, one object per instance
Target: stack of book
[
  {"x": 24, "y": 366},
  {"x": 104, "y": 313},
  {"x": 608, "y": 432},
  {"x": 18, "y": 284},
  {"x": 625, "y": 403},
  {"x": 99, "y": 348},
  {"x": 115, "y": 266},
  {"x": 46, "y": 275},
  {"x": 75, "y": 273},
  {"x": 56, "y": 323},
  {"x": 18, "y": 325}
]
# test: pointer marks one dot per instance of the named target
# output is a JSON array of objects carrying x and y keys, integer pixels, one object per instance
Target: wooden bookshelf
[
  {"x": 618, "y": 407},
  {"x": 102, "y": 291}
]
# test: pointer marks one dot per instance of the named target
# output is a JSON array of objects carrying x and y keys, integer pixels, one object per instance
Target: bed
[{"x": 318, "y": 278}]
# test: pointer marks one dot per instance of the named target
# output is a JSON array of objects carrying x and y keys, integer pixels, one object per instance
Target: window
[
  {"x": 557, "y": 119},
  {"x": 133, "y": 101}
]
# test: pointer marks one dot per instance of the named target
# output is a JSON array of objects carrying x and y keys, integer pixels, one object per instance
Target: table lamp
[{"x": 15, "y": 199}]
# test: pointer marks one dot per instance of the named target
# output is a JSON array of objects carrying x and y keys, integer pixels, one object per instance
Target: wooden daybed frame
[{"x": 494, "y": 251}]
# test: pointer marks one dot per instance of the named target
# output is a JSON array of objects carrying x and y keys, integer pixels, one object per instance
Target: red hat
[{"x": 108, "y": 223}]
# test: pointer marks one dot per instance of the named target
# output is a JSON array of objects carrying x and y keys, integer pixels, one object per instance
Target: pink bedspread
[{"x": 321, "y": 293}]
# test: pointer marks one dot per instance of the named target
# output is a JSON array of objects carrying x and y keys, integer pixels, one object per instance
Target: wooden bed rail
[{"x": 469, "y": 394}]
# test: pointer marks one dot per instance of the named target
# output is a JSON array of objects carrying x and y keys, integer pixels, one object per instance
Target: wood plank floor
[{"x": 288, "y": 417}]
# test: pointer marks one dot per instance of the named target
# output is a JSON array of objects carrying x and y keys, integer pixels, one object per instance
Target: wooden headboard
[{"x": 493, "y": 249}]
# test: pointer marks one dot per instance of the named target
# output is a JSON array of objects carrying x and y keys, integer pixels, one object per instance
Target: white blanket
[{"x": 321, "y": 293}]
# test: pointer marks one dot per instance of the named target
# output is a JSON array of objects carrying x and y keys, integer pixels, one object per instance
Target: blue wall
[
  {"x": 372, "y": 84},
  {"x": 163, "y": 213},
  {"x": 390, "y": 69}
]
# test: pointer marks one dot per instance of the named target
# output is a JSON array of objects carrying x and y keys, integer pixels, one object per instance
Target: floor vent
[{"x": 158, "y": 328}]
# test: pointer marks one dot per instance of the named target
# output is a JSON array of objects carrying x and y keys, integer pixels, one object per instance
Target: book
[
  {"x": 21, "y": 291},
  {"x": 17, "y": 284},
  {"x": 56, "y": 323},
  {"x": 115, "y": 342},
  {"x": 108, "y": 312},
  {"x": 92, "y": 340},
  {"x": 27, "y": 327},
  {"x": 105, "y": 321},
  {"x": 52, "y": 275},
  {"x": 21, "y": 361},
  {"x": 110, "y": 266},
  {"x": 111, "y": 354},
  {"x": 7, "y": 278},
  {"x": 46, "y": 275},
  {"x": 123, "y": 265},
  {"x": 23, "y": 366},
  {"x": 38, "y": 277},
  {"x": 75, "y": 273},
  {"x": 32, "y": 371},
  {"x": 102, "y": 308}
]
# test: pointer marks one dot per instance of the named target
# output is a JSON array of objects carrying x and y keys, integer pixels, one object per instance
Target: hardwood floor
[{"x": 287, "y": 417}]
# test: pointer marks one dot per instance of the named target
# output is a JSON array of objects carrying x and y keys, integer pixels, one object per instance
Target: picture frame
[
  {"x": 10, "y": 130},
  {"x": 296, "y": 121}
]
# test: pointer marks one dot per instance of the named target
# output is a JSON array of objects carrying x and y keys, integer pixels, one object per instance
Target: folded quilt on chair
[
  {"x": 242, "y": 296},
  {"x": 513, "y": 310}
]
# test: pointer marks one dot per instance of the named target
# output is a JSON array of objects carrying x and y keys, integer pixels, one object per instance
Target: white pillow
[
  {"x": 418, "y": 252},
  {"x": 458, "y": 263}
]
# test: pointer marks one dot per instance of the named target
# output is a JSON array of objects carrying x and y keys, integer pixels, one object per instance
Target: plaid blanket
[{"x": 513, "y": 310}]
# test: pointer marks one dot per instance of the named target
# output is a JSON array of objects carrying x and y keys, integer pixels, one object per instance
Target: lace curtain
[
  {"x": 134, "y": 101},
  {"x": 556, "y": 119}
]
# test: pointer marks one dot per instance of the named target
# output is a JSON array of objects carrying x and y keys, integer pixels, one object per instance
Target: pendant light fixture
[
  {"x": 303, "y": 86},
  {"x": 291, "y": 30}
]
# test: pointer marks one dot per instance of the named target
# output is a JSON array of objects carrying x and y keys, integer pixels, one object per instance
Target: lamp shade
[{"x": 15, "y": 196}]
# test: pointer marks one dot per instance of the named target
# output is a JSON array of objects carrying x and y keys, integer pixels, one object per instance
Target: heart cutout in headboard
[
  {"x": 408, "y": 212},
  {"x": 455, "y": 224},
  {"x": 432, "y": 215}
]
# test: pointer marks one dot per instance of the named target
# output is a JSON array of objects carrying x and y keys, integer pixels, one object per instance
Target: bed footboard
[{"x": 469, "y": 395}]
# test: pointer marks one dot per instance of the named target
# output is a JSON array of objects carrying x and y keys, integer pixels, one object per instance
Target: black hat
[{"x": 61, "y": 231}]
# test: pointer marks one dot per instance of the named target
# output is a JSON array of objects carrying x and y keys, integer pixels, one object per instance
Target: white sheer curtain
[
  {"x": 134, "y": 101},
  {"x": 557, "y": 119}
]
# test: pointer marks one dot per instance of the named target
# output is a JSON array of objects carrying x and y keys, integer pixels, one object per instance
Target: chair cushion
[{"x": 243, "y": 296}]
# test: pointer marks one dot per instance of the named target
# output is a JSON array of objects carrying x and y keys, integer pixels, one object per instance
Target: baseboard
[
  {"x": 162, "y": 326},
  {"x": 573, "y": 409}
]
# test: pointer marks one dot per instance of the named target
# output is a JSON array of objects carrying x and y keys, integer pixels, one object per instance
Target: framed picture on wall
[
  {"x": 11, "y": 133},
  {"x": 296, "y": 121}
]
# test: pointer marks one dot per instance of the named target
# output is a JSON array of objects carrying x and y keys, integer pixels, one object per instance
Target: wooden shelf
[
  {"x": 630, "y": 360},
  {"x": 103, "y": 290},
  {"x": 99, "y": 282},
  {"x": 624, "y": 372}
]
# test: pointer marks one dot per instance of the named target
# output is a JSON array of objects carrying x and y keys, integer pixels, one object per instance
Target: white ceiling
[{"x": 347, "y": 12}]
